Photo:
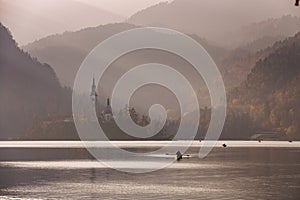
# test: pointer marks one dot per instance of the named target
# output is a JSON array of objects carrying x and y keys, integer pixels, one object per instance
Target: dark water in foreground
[{"x": 226, "y": 173}]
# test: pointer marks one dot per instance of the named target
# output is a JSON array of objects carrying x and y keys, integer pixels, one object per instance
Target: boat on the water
[{"x": 178, "y": 156}]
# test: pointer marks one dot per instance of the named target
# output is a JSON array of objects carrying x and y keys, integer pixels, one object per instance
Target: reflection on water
[
  {"x": 141, "y": 144},
  {"x": 227, "y": 173}
]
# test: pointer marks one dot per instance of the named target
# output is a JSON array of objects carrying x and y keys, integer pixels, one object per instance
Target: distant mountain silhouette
[
  {"x": 29, "y": 20},
  {"x": 219, "y": 20},
  {"x": 65, "y": 52},
  {"x": 271, "y": 93},
  {"x": 237, "y": 64},
  {"x": 29, "y": 91},
  {"x": 262, "y": 34}
]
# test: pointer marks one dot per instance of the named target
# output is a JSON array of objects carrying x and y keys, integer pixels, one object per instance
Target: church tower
[
  {"x": 107, "y": 112},
  {"x": 94, "y": 95}
]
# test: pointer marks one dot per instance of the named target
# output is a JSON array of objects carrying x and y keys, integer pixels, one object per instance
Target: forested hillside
[
  {"x": 271, "y": 93},
  {"x": 29, "y": 91}
]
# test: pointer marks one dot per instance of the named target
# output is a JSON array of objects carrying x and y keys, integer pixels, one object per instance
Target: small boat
[{"x": 178, "y": 156}]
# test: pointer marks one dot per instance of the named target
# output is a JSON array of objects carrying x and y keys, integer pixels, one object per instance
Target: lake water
[{"x": 243, "y": 170}]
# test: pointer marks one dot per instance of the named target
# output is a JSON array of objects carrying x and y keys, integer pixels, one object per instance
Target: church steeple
[{"x": 94, "y": 94}]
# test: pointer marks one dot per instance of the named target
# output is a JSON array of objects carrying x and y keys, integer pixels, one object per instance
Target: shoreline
[{"x": 145, "y": 144}]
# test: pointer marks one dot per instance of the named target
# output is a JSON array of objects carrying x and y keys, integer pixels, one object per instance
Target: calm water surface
[{"x": 226, "y": 173}]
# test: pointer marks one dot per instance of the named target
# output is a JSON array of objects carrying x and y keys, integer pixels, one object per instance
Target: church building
[{"x": 106, "y": 114}]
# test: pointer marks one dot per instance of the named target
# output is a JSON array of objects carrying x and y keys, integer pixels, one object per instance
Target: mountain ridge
[
  {"x": 30, "y": 19},
  {"x": 214, "y": 20},
  {"x": 77, "y": 45},
  {"x": 30, "y": 91}
]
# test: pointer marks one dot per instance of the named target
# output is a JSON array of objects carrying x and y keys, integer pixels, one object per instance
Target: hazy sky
[
  {"x": 29, "y": 20},
  {"x": 124, "y": 8}
]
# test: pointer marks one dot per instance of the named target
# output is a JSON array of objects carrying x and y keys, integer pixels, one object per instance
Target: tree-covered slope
[
  {"x": 29, "y": 90},
  {"x": 272, "y": 89}
]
